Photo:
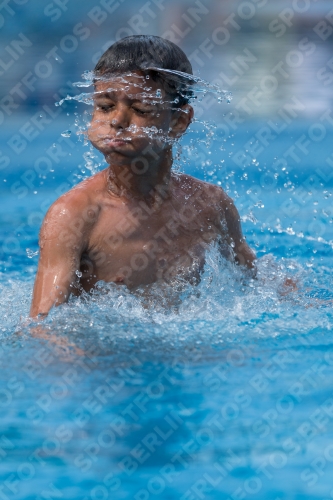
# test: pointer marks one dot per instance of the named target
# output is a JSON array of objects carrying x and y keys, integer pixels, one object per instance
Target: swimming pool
[{"x": 227, "y": 396}]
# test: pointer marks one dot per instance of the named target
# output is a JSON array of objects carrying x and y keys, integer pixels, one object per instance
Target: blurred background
[
  {"x": 275, "y": 137},
  {"x": 44, "y": 46}
]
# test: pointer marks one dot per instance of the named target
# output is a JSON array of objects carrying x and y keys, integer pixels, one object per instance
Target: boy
[{"x": 136, "y": 222}]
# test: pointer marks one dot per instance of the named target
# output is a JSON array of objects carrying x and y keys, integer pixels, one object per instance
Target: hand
[
  {"x": 66, "y": 347},
  {"x": 288, "y": 286}
]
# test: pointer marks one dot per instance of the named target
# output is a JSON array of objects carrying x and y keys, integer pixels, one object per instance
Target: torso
[{"x": 135, "y": 244}]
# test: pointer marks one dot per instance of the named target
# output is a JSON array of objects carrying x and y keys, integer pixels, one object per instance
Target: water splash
[
  {"x": 195, "y": 84},
  {"x": 66, "y": 133},
  {"x": 31, "y": 253},
  {"x": 190, "y": 86},
  {"x": 201, "y": 134},
  {"x": 223, "y": 306}
]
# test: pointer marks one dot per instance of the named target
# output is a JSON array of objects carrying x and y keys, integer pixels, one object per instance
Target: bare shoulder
[
  {"x": 78, "y": 207},
  {"x": 215, "y": 195},
  {"x": 218, "y": 203}
]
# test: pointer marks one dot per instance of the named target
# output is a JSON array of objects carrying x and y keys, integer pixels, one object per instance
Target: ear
[{"x": 180, "y": 120}]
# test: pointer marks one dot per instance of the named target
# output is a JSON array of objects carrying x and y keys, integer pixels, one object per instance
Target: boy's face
[{"x": 132, "y": 115}]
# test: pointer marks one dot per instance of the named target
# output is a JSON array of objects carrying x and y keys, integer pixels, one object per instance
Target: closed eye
[
  {"x": 142, "y": 111},
  {"x": 105, "y": 107}
]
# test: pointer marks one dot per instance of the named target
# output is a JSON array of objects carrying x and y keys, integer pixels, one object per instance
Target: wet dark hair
[{"x": 149, "y": 54}]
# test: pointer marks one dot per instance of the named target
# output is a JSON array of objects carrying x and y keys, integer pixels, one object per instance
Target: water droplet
[
  {"x": 66, "y": 133},
  {"x": 31, "y": 253}
]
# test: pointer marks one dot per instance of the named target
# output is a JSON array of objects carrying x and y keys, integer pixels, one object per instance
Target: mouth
[{"x": 115, "y": 141}]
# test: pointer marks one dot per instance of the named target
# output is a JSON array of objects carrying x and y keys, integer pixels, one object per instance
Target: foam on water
[{"x": 228, "y": 306}]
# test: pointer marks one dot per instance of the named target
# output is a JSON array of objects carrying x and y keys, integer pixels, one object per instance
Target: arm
[
  {"x": 243, "y": 253},
  {"x": 60, "y": 252}
]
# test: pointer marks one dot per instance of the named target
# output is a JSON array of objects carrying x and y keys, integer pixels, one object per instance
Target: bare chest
[{"x": 138, "y": 248}]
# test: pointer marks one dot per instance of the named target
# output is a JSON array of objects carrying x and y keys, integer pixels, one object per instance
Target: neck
[{"x": 144, "y": 178}]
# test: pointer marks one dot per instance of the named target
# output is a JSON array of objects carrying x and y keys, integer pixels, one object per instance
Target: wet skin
[{"x": 136, "y": 222}]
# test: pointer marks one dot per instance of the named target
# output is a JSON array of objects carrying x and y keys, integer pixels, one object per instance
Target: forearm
[{"x": 48, "y": 292}]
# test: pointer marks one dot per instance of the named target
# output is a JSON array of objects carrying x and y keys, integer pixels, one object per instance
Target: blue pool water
[{"x": 227, "y": 396}]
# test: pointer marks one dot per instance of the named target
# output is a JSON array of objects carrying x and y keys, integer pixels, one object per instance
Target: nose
[{"x": 119, "y": 117}]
